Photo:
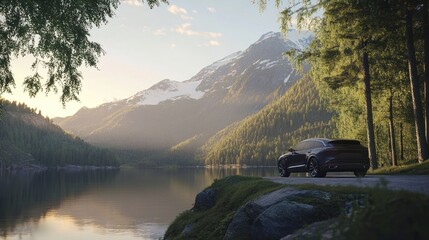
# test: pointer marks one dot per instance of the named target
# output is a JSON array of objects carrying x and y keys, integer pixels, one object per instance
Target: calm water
[{"x": 120, "y": 204}]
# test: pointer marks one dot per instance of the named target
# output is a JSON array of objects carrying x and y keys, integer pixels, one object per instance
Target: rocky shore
[{"x": 252, "y": 208}]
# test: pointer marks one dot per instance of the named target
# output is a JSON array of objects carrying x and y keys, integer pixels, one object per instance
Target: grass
[
  {"x": 412, "y": 169},
  {"x": 232, "y": 192},
  {"x": 383, "y": 214}
]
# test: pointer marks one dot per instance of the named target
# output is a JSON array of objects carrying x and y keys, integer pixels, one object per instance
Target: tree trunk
[
  {"x": 401, "y": 136},
  {"x": 369, "y": 119},
  {"x": 392, "y": 133},
  {"x": 426, "y": 66},
  {"x": 422, "y": 147}
]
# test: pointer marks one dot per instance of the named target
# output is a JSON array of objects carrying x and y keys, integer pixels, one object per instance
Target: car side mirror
[{"x": 291, "y": 150}]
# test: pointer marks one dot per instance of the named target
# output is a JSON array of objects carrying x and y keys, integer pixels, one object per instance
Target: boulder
[
  {"x": 274, "y": 215},
  {"x": 323, "y": 230},
  {"x": 205, "y": 199},
  {"x": 280, "y": 220}
]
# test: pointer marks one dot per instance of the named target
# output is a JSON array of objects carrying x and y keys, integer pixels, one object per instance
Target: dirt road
[{"x": 409, "y": 183}]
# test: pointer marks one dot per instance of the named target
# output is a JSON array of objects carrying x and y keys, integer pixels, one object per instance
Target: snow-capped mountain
[
  {"x": 167, "y": 90},
  {"x": 170, "y": 112}
]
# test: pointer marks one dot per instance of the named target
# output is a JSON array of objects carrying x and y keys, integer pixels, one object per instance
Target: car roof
[{"x": 324, "y": 140}]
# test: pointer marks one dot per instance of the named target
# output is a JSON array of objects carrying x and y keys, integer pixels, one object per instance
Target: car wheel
[
  {"x": 313, "y": 168},
  {"x": 360, "y": 173},
  {"x": 283, "y": 169}
]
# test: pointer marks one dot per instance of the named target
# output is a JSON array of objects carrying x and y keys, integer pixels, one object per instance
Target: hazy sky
[{"x": 144, "y": 46}]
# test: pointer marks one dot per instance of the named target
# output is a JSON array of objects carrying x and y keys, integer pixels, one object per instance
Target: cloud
[
  {"x": 214, "y": 43},
  {"x": 136, "y": 3},
  {"x": 185, "y": 29},
  {"x": 194, "y": 11},
  {"x": 159, "y": 32},
  {"x": 211, "y": 9},
  {"x": 173, "y": 45},
  {"x": 211, "y": 43},
  {"x": 174, "y": 9},
  {"x": 186, "y": 17},
  {"x": 146, "y": 28}
]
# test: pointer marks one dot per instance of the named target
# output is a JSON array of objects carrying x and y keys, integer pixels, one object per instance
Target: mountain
[
  {"x": 261, "y": 138},
  {"x": 28, "y": 138},
  {"x": 172, "y": 114}
]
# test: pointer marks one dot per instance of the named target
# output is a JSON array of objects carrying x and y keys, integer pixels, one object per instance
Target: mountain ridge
[{"x": 170, "y": 112}]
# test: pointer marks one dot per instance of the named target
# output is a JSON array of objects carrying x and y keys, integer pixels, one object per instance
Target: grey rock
[
  {"x": 273, "y": 215},
  {"x": 280, "y": 220},
  {"x": 322, "y": 230},
  {"x": 205, "y": 199},
  {"x": 188, "y": 228}
]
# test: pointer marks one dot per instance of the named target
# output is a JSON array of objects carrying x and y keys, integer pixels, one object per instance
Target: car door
[{"x": 298, "y": 157}]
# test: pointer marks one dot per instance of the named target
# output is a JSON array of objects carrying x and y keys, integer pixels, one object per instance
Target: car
[{"x": 317, "y": 156}]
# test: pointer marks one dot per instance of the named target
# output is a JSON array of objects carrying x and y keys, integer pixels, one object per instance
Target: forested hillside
[
  {"x": 28, "y": 138},
  {"x": 261, "y": 138}
]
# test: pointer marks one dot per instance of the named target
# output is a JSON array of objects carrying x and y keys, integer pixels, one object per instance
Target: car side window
[
  {"x": 317, "y": 144},
  {"x": 300, "y": 146},
  {"x": 307, "y": 145}
]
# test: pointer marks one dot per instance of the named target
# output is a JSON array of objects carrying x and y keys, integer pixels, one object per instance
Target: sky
[{"x": 144, "y": 46}]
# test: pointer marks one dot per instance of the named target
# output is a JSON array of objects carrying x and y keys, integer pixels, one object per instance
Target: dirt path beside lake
[{"x": 414, "y": 183}]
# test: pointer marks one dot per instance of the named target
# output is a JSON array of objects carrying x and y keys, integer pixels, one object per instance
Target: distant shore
[{"x": 39, "y": 168}]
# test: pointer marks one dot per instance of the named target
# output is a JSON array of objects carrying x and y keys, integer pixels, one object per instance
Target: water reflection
[
  {"x": 28, "y": 196},
  {"x": 130, "y": 204}
]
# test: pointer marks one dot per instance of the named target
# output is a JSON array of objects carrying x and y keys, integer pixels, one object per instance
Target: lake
[{"x": 114, "y": 204}]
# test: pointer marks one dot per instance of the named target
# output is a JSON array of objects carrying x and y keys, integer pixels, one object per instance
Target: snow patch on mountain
[
  {"x": 266, "y": 64},
  {"x": 171, "y": 91},
  {"x": 300, "y": 39},
  {"x": 287, "y": 78},
  {"x": 269, "y": 35},
  {"x": 226, "y": 60}
]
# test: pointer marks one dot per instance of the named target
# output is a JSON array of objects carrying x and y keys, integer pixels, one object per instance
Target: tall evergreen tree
[
  {"x": 426, "y": 65},
  {"x": 422, "y": 146}
]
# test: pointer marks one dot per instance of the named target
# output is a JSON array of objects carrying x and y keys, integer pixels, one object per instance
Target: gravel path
[{"x": 410, "y": 183}]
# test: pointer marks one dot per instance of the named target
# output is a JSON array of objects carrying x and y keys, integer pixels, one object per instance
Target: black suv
[{"x": 320, "y": 155}]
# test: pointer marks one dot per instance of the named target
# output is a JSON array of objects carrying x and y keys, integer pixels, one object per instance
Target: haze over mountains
[{"x": 171, "y": 113}]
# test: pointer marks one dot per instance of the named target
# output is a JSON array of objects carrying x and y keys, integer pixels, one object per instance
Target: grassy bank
[
  {"x": 385, "y": 214},
  {"x": 412, "y": 169},
  {"x": 232, "y": 192}
]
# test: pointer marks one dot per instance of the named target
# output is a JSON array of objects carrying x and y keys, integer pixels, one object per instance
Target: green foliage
[
  {"x": 56, "y": 34},
  {"x": 261, "y": 138},
  {"x": 27, "y": 134}
]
